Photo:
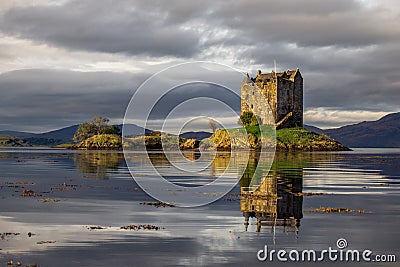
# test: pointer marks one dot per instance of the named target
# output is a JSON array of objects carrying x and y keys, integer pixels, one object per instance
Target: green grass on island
[
  {"x": 299, "y": 139},
  {"x": 287, "y": 139}
]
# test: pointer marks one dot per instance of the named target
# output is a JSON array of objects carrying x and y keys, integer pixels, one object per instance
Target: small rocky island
[
  {"x": 96, "y": 135},
  {"x": 287, "y": 140},
  {"x": 100, "y": 142}
]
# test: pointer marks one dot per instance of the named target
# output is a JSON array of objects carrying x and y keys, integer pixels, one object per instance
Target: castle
[{"x": 284, "y": 94}]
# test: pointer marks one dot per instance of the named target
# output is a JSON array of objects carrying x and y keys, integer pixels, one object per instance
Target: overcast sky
[{"x": 62, "y": 62}]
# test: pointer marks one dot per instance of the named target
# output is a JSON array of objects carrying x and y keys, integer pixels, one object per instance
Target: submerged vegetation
[{"x": 336, "y": 210}]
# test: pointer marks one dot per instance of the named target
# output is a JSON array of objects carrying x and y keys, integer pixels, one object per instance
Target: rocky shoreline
[{"x": 285, "y": 140}]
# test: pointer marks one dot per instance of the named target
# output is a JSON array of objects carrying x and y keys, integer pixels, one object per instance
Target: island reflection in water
[{"x": 97, "y": 164}]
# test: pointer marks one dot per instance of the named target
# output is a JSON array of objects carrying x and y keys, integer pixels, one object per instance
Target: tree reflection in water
[{"x": 96, "y": 164}]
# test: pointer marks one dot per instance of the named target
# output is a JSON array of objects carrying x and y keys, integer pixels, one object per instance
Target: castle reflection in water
[{"x": 278, "y": 200}]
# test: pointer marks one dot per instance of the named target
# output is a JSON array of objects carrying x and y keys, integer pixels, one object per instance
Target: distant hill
[
  {"x": 51, "y": 138},
  {"x": 313, "y": 129},
  {"x": 196, "y": 135},
  {"x": 63, "y": 135},
  {"x": 384, "y": 132},
  {"x": 16, "y": 134},
  {"x": 133, "y": 129}
]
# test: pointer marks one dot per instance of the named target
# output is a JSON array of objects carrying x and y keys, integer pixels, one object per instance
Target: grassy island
[
  {"x": 287, "y": 139},
  {"x": 100, "y": 142}
]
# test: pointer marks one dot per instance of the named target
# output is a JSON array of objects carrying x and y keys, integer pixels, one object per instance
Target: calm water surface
[{"x": 71, "y": 191}]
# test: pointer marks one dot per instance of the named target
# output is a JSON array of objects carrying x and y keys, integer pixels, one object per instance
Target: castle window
[{"x": 251, "y": 106}]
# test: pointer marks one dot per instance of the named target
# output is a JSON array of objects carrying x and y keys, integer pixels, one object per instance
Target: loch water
[{"x": 306, "y": 201}]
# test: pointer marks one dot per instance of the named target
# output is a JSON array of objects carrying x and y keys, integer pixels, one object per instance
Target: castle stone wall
[
  {"x": 282, "y": 91},
  {"x": 252, "y": 99}
]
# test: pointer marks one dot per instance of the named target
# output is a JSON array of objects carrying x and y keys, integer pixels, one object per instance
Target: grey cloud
[
  {"x": 39, "y": 100},
  {"x": 201, "y": 97},
  {"x": 105, "y": 26},
  {"x": 161, "y": 28},
  {"x": 34, "y": 99},
  {"x": 308, "y": 23},
  {"x": 192, "y": 85},
  {"x": 348, "y": 53}
]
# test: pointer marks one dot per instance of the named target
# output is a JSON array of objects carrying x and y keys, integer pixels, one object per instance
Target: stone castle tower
[{"x": 284, "y": 94}]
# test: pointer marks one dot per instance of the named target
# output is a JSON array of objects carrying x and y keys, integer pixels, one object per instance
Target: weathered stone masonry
[{"x": 283, "y": 92}]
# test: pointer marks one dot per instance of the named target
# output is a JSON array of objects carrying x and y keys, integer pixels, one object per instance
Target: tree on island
[
  {"x": 98, "y": 125},
  {"x": 248, "y": 119}
]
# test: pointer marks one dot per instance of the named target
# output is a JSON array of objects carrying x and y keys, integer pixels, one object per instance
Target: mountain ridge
[
  {"x": 383, "y": 133},
  {"x": 62, "y": 135}
]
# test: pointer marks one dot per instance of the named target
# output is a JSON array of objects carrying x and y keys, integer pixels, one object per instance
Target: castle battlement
[{"x": 284, "y": 94}]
